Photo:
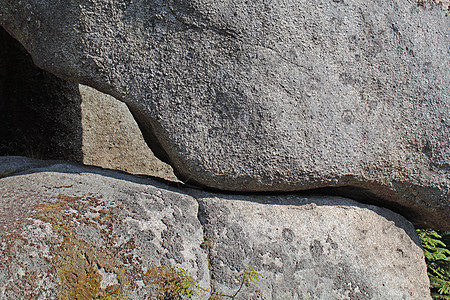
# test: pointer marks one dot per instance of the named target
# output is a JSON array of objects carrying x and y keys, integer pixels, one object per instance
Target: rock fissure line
[
  {"x": 205, "y": 246},
  {"x": 220, "y": 31},
  {"x": 358, "y": 194}
]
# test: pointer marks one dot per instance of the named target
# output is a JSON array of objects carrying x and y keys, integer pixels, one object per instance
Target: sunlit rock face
[
  {"x": 75, "y": 232},
  {"x": 269, "y": 95}
]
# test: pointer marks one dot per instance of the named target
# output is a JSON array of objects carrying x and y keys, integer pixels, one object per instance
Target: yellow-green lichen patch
[
  {"x": 77, "y": 264},
  {"x": 77, "y": 261},
  {"x": 169, "y": 283}
]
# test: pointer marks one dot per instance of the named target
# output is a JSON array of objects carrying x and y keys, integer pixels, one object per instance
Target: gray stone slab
[
  {"x": 72, "y": 232},
  {"x": 312, "y": 248}
]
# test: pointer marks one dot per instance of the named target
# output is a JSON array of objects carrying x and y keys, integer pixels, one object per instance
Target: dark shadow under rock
[{"x": 40, "y": 113}]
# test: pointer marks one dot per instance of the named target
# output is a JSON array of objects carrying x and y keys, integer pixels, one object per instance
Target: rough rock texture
[
  {"x": 45, "y": 117},
  {"x": 70, "y": 230},
  {"x": 313, "y": 248},
  {"x": 77, "y": 233},
  {"x": 268, "y": 95},
  {"x": 445, "y": 4},
  {"x": 112, "y": 139}
]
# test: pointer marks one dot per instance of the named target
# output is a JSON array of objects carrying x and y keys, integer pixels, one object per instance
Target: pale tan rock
[
  {"x": 46, "y": 117},
  {"x": 112, "y": 139}
]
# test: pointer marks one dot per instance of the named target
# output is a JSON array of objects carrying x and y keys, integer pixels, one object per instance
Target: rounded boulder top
[{"x": 255, "y": 96}]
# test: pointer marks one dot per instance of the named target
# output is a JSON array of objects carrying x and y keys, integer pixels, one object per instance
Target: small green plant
[
  {"x": 170, "y": 284},
  {"x": 245, "y": 278},
  {"x": 178, "y": 285},
  {"x": 437, "y": 257},
  {"x": 187, "y": 284}
]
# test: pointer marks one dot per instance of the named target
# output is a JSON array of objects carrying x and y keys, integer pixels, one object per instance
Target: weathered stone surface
[
  {"x": 112, "y": 139},
  {"x": 75, "y": 232},
  {"x": 10, "y": 165},
  {"x": 313, "y": 248},
  {"x": 68, "y": 229},
  {"x": 268, "y": 96},
  {"x": 445, "y": 4}
]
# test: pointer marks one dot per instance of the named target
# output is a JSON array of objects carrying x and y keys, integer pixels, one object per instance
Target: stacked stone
[{"x": 273, "y": 102}]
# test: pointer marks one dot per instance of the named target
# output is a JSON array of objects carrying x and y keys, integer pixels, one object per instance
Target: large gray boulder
[
  {"x": 312, "y": 247},
  {"x": 269, "y": 95},
  {"x": 75, "y": 232}
]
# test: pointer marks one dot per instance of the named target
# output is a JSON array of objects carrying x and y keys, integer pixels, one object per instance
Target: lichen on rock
[
  {"x": 78, "y": 261},
  {"x": 89, "y": 239},
  {"x": 72, "y": 231}
]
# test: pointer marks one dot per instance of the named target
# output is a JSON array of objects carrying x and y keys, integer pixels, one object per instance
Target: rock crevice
[{"x": 266, "y": 97}]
